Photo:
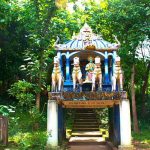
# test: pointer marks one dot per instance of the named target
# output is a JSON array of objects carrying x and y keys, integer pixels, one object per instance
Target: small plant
[
  {"x": 102, "y": 116},
  {"x": 22, "y": 90},
  {"x": 35, "y": 118},
  {"x": 30, "y": 141}
]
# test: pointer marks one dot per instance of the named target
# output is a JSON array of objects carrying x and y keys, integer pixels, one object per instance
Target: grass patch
[{"x": 143, "y": 137}]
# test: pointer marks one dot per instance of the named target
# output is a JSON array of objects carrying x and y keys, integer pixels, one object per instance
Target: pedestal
[
  {"x": 52, "y": 123},
  {"x": 125, "y": 125}
]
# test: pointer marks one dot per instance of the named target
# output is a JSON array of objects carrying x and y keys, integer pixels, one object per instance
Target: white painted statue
[
  {"x": 97, "y": 74},
  {"x": 76, "y": 74},
  {"x": 57, "y": 78},
  {"x": 117, "y": 76}
]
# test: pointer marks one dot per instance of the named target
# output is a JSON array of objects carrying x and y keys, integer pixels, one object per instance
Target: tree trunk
[
  {"x": 144, "y": 87},
  {"x": 38, "y": 97},
  {"x": 134, "y": 112}
]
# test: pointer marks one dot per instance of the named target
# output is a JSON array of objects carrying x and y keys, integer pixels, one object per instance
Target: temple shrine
[{"x": 87, "y": 74}]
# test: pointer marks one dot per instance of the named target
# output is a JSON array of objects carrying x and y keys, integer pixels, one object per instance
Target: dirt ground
[{"x": 87, "y": 146}]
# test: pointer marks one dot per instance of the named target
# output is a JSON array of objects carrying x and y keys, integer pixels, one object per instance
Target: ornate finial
[
  {"x": 116, "y": 39},
  {"x": 86, "y": 28},
  {"x": 56, "y": 42}
]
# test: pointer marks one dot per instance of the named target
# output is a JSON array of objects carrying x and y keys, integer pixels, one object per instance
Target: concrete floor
[
  {"x": 80, "y": 142},
  {"x": 87, "y": 147}
]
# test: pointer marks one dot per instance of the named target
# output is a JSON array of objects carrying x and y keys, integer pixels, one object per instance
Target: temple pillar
[
  {"x": 106, "y": 68},
  {"x": 60, "y": 123},
  {"x": 68, "y": 78},
  {"x": 125, "y": 125},
  {"x": 111, "y": 124},
  {"x": 52, "y": 124},
  {"x": 116, "y": 125},
  {"x": 114, "y": 61},
  {"x": 110, "y": 69}
]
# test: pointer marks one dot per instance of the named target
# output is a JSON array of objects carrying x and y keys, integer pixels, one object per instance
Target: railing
[
  {"x": 87, "y": 95},
  {"x": 3, "y": 130}
]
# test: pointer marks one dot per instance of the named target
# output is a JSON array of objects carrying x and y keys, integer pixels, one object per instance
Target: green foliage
[
  {"x": 22, "y": 91},
  {"x": 30, "y": 141},
  {"x": 36, "y": 72},
  {"x": 23, "y": 121},
  {"x": 6, "y": 110},
  {"x": 69, "y": 117},
  {"x": 23, "y": 132},
  {"x": 102, "y": 116},
  {"x": 28, "y": 30},
  {"x": 36, "y": 116},
  {"x": 143, "y": 136}
]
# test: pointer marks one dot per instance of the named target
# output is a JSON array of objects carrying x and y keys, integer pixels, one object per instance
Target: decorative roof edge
[{"x": 87, "y": 40}]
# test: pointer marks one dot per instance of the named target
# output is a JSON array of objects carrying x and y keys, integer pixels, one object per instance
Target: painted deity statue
[
  {"x": 89, "y": 70},
  {"x": 76, "y": 74},
  {"x": 117, "y": 76},
  {"x": 97, "y": 74},
  {"x": 57, "y": 78}
]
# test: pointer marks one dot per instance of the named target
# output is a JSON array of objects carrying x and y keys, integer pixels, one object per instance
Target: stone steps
[
  {"x": 85, "y": 122},
  {"x": 85, "y": 129},
  {"x": 86, "y": 139},
  {"x": 85, "y": 125},
  {"x": 86, "y": 117},
  {"x": 82, "y": 133},
  {"x": 90, "y": 120}
]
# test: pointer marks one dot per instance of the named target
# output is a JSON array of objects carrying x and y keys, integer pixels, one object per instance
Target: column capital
[
  {"x": 51, "y": 101},
  {"x": 67, "y": 55},
  {"x": 54, "y": 95},
  {"x": 124, "y": 95},
  {"x": 106, "y": 55},
  {"x": 124, "y": 99}
]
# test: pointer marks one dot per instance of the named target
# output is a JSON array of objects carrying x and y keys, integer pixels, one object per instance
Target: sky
[{"x": 143, "y": 50}]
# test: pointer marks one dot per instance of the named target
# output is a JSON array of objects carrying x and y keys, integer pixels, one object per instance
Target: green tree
[
  {"x": 130, "y": 20},
  {"x": 12, "y": 43}
]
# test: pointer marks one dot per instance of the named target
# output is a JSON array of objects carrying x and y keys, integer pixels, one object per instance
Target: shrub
[
  {"x": 30, "y": 141},
  {"x": 22, "y": 90}
]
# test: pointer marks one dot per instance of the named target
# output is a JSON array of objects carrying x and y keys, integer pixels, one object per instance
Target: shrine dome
[{"x": 87, "y": 40}]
